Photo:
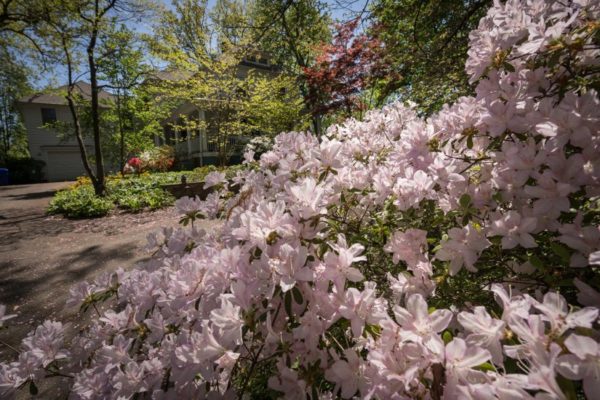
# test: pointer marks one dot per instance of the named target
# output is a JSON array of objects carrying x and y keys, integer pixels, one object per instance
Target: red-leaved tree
[{"x": 342, "y": 71}]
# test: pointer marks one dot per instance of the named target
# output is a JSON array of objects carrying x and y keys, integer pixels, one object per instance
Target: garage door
[{"x": 64, "y": 165}]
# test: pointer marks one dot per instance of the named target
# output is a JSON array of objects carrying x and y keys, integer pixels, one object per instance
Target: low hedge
[
  {"x": 80, "y": 202},
  {"x": 130, "y": 193}
]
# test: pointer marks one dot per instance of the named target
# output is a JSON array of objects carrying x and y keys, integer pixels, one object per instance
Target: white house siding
[
  {"x": 62, "y": 158},
  {"x": 64, "y": 164}
]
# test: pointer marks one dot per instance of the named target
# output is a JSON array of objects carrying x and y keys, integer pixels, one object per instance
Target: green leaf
[
  {"x": 373, "y": 330},
  {"x": 497, "y": 197},
  {"x": 297, "y": 295},
  {"x": 508, "y": 66},
  {"x": 287, "y": 300},
  {"x": 536, "y": 262},
  {"x": 567, "y": 386},
  {"x": 447, "y": 337},
  {"x": 465, "y": 200},
  {"x": 486, "y": 367},
  {"x": 470, "y": 142},
  {"x": 323, "y": 176},
  {"x": 33, "y": 390},
  {"x": 314, "y": 393},
  {"x": 465, "y": 220},
  {"x": 561, "y": 251}
]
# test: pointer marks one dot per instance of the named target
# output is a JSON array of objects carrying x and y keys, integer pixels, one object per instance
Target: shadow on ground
[
  {"x": 17, "y": 225},
  {"x": 32, "y": 196},
  {"x": 75, "y": 266}
]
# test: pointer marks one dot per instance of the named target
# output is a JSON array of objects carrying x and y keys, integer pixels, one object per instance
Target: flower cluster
[
  {"x": 396, "y": 257},
  {"x": 156, "y": 159},
  {"x": 257, "y": 146}
]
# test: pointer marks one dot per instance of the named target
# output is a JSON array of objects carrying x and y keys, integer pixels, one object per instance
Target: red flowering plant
[{"x": 159, "y": 159}]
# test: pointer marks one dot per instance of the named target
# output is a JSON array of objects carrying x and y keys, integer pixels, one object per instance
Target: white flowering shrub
[
  {"x": 257, "y": 146},
  {"x": 395, "y": 258}
]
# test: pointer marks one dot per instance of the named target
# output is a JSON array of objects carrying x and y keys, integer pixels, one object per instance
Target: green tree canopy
[{"x": 426, "y": 44}]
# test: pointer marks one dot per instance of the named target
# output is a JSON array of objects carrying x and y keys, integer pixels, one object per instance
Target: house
[
  {"x": 61, "y": 154},
  {"x": 194, "y": 148}
]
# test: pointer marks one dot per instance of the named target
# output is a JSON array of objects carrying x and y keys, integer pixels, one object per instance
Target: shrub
[
  {"x": 156, "y": 159},
  {"x": 259, "y": 145},
  {"x": 80, "y": 202},
  {"x": 455, "y": 257},
  {"x": 25, "y": 170},
  {"x": 128, "y": 193},
  {"x": 136, "y": 200}
]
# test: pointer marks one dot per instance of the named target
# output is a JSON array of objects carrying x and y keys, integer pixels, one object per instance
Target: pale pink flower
[
  {"x": 462, "y": 248},
  {"x": 584, "y": 239},
  {"x": 551, "y": 195},
  {"x": 202, "y": 347},
  {"x": 485, "y": 331},
  {"x": 130, "y": 380},
  {"x": 514, "y": 229},
  {"x": 583, "y": 363},
  {"x": 187, "y": 205},
  {"x": 47, "y": 343},
  {"x": 307, "y": 197},
  {"x": 288, "y": 382},
  {"x": 461, "y": 358},
  {"x": 228, "y": 320},
  {"x": 513, "y": 306},
  {"x": 80, "y": 292},
  {"x": 264, "y": 226},
  {"x": 542, "y": 375},
  {"x": 346, "y": 374},
  {"x": 587, "y": 296},
  {"x": 117, "y": 353},
  {"x": 363, "y": 307},
  {"x": 420, "y": 326},
  {"x": 214, "y": 178},
  {"x": 339, "y": 263},
  {"x": 328, "y": 153},
  {"x": 290, "y": 266},
  {"x": 555, "y": 309},
  {"x": 407, "y": 246}
]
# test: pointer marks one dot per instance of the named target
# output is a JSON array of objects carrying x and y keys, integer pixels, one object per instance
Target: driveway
[{"x": 42, "y": 256}]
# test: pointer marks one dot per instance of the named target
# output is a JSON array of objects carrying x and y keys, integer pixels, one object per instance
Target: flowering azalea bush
[
  {"x": 156, "y": 159},
  {"x": 257, "y": 146},
  {"x": 134, "y": 164},
  {"x": 454, "y": 257}
]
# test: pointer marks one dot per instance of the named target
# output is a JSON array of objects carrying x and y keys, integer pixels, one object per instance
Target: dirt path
[{"x": 42, "y": 256}]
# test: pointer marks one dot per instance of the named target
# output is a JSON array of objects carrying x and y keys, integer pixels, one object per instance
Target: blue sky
[{"x": 341, "y": 10}]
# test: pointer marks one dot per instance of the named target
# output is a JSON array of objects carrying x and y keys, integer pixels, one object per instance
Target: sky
[{"x": 341, "y": 10}]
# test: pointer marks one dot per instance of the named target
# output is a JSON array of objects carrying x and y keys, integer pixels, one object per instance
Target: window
[{"x": 48, "y": 115}]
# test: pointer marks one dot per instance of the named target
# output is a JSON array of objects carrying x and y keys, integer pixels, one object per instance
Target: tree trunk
[
  {"x": 121, "y": 134},
  {"x": 75, "y": 116},
  {"x": 316, "y": 120},
  {"x": 79, "y": 137},
  {"x": 5, "y": 127},
  {"x": 99, "y": 186}
]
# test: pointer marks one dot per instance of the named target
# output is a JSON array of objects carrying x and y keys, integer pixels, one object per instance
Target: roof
[
  {"x": 171, "y": 75},
  {"x": 258, "y": 62},
  {"x": 55, "y": 97}
]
